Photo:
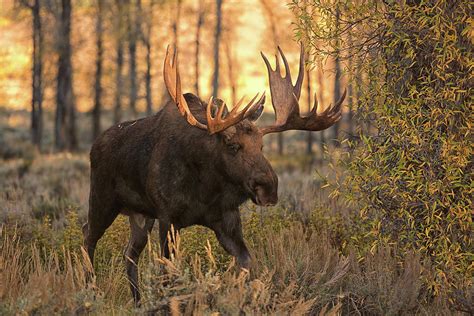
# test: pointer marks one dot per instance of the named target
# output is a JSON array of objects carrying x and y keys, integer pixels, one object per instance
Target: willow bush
[{"x": 411, "y": 174}]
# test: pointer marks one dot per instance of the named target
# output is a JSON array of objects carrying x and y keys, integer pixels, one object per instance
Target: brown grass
[{"x": 291, "y": 274}]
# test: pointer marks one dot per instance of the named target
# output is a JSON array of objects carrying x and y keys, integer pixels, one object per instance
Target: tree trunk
[
  {"x": 309, "y": 136},
  {"x": 322, "y": 136},
  {"x": 337, "y": 95},
  {"x": 71, "y": 108},
  {"x": 350, "y": 91},
  {"x": 176, "y": 24},
  {"x": 96, "y": 113},
  {"x": 217, "y": 40},
  {"x": 350, "y": 103},
  {"x": 37, "y": 74},
  {"x": 149, "y": 99},
  {"x": 267, "y": 6},
  {"x": 133, "y": 24},
  {"x": 200, "y": 22},
  {"x": 230, "y": 70},
  {"x": 119, "y": 63},
  {"x": 65, "y": 130},
  {"x": 358, "y": 95},
  {"x": 337, "y": 86},
  {"x": 118, "y": 83},
  {"x": 147, "y": 41}
]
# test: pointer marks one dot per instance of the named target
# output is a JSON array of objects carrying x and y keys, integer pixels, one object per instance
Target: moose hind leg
[
  {"x": 102, "y": 214},
  {"x": 140, "y": 227}
]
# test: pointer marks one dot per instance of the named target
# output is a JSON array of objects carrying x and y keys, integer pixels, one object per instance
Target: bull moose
[{"x": 192, "y": 163}]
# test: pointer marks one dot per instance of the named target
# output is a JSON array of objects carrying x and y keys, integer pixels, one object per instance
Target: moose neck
[
  {"x": 194, "y": 162},
  {"x": 213, "y": 185}
]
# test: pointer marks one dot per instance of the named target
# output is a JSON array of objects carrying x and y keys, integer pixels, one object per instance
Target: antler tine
[
  {"x": 252, "y": 106},
  {"x": 277, "y": 64},
  {"x": 247, "y": 107},
  {"x": 333, "y": 110},
  {"x": 316, "y": 104},
  {"x": 175, "y": 67},
  {"x": 285, "y": 62},
  {"x": 208, "y": 110},
  {"x": 220, "y": 110},
  {"x": 256, "y": 106},
  {"x": 284, "y": 100},
  {"x": 218, "y": 123},
  {"x": 237, "y": 106},
  {"x": 337, "y": 106},
  {"x": 267, "y": 63},
  {"x": 299, "y": 80}
]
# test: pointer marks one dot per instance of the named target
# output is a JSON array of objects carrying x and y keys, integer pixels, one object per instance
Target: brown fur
[{"x": 160, "y": 167}]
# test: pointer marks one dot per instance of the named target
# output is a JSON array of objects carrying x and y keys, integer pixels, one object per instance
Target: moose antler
[
  {"x": 214, "y": 124},
  {"x": 285, "y": 99}
]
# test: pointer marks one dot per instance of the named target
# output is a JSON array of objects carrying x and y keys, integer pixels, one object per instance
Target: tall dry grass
[{"x": 293, "y": 273}]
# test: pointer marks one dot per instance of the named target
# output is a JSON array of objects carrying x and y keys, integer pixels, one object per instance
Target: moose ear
[{"x": 255, "y": 115}]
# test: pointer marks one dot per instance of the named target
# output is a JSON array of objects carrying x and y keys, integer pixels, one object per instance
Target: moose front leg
[{"x": 229, "y": 233}]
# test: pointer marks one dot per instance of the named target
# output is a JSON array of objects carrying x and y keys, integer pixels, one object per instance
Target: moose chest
[{"x": 184, "y": 197}]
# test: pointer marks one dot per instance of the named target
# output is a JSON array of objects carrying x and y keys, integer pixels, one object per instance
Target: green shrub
[
  {"x": 72, "y": 238},
  {"x": 411, "y": 175}
]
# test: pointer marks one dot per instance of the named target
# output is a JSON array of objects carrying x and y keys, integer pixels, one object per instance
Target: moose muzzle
[{"x": 264, "y": 186}]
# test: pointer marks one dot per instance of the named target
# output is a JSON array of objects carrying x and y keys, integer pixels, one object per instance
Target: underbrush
[
  {"x": 309, "y": 257},
  {"x": 295, "y": 270}
]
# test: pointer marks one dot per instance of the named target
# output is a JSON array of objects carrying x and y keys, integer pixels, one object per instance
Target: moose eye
[{"x": 234, "y": 148}]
